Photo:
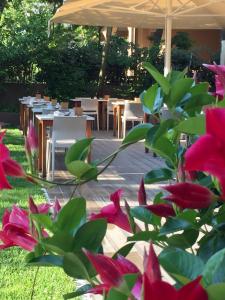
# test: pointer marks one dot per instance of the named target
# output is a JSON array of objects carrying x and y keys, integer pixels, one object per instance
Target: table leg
[
  {"x": 114, "y": 120},
  {"x": 119, "y": 121},
  {"x": 21, "y": 115},
  {"x": 44, "y": 142}
]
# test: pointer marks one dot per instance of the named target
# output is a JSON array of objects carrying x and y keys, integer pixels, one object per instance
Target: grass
[{"x": 16, "y": 279}]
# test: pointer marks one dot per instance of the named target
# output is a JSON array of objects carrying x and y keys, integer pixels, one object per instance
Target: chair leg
[
  {"x": 48, "y": 155},
  {"x": 124, "y": 127},
  {"x": 98, "y": 121},
  {"x": 53, "y": 161},
  {"x": 107, "y": 122}
]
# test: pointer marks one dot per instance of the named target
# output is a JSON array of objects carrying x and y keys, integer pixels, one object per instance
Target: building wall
[{"x": 205, "y": 42}]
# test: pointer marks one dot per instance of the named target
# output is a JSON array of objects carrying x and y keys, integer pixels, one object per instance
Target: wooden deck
[{"x": 125, "y": 172}]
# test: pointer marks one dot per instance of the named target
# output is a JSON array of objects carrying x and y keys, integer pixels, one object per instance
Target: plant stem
[{"x": 34, "y": 282}]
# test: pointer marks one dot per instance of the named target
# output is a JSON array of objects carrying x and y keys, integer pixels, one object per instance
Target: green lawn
[{"x": 16, "y": 279}]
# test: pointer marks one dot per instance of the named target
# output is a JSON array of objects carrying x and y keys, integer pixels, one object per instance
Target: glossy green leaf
[
  {"x": 71, "y": 215},
  {"x": 159, "y": 78},
  {"x": 125, "y": 250},
  {"x": 146, "y": 236},
  {"x": 210, "y": 244},
  {"x": 59, "y": 243},
  {"x": 150, "y": 97},
  {"x": 79, "y": 292},
  {"x": 127, "y": 284},
  {"x": 216, "y": 291},
  {"x": 158, "y": 175},
  {"x": 164, "y": 148},
  {"x": 90, "y": 235},
  {"x": 78, "y": 151},
  {"x": 141, "y": 214},
  {"x": 214, "y": 271},
  {"x": 179, "y": 262},
  {"x": 200, "y": 88},
  {"x": 178, "y": 90},
  {"x": 194, "y": 125},
  {"x": 196, "y": 102},
  {"x": 175, "y": 224},
  {"x": 82, "y": 170},
  {"x": 114, "y": 295},
  {"x": 74, "y": 267},
  {"x": 47, "y": 261},
  {"x": 221, "y": 103},
  {"x": 44, "y": 221},
  {"x": 137, "y": 133},
  {"x": 183, "y": 240}
]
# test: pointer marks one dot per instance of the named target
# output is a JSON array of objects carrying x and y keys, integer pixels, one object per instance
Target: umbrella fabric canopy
[{"x": 168, "y": 14}]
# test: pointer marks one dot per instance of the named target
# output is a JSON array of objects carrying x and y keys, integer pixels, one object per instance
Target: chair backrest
[
  {"x": 89, "y": 104},
  {"x": 133, "y": 109},
  {"x": 65, "y": 128},
  {"x": 47, "y": 111}
]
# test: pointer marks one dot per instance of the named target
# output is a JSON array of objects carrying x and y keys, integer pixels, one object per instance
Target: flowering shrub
[{"x": 185, "y": 222}]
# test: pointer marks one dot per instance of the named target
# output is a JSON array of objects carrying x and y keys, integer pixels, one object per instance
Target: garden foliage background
[{"x": 70, "y": 59}]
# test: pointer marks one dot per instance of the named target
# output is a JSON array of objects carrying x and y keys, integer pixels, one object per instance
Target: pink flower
[
  {"x": 31, "y": 139},
  {"x": 111, "y": 272},
  {"x": 219, "y": 79},
  {"x": 8, "y": 166},
  {"x": 113, "y": 213},
  {"x": 142, "y": 194},
  {"x": 162, "y": 210},
  {"x": 208, "y": 153},
  {"x": 189, "y": 195},
  {"x": 156, "y": 289},
  {"x": 16, "y": 230},
  {"x": 38, "y": 209},
  {"x": 56, "y": 208}
]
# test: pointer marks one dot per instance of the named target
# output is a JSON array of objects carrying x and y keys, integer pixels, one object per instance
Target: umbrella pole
[{"x": 168, "y": 38}]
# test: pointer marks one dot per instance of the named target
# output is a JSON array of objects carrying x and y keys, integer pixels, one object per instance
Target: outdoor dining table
[{"x": 44, "y": 121}]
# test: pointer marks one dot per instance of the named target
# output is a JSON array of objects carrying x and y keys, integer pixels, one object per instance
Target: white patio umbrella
[{"x": 168, "y": 14}]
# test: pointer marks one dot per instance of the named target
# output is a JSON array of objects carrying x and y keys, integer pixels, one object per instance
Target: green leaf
[
  {"x": 59, "y": 243},
  {"x": 150, "y": 96},
  {"x": 47, "y": 261},
  {"x": 146, "y": 236},
  {"x": 214, "y": 271},
  {"x": 164, "y": 148},
  {"x": 194, "y": 125},
  {"x": 90, "y": 235},
  {"x": 78, "y": 151},
  {"x": 184, "y": 240},
  {"x": 44, "y": 221},
  {"x": 210, "y": 244},
  {"x": 137, "y": 133},
  {"x": 175, "y": 224},
  {"x": 216, "y": 291},
  {"x": 141, "y": 214},
  {"x": 221, "y": 103},
  {"x": 162, "y": 81},
  {"x": 79, "y": 292},
  {"x": 82, "y": 170},
  {"x": 178, "y": 90},
  {"x": 158, "y": 175},
  {"x": 179, "y": 262},
  {"x": 71, "y": 215},
  {"x": 74, "y": 267},
  {"x": 200, "y": 88},
  {"x": 124, "y": 251},
  {"x": 114, "y": 294},
  {"x": 196, "y": 102},
  {"x": 127, "y": 284}
]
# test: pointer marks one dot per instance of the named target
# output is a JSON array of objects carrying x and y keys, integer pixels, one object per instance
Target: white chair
[
  {"x": 90, "y": 107},
  {"x": 110, "y": 109},
  {"x": 133, "y": 112},
  {"x": 65, "y": 132}
]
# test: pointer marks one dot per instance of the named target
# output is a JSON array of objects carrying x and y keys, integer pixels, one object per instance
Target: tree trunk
[{"x": 105, "y": 51}]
